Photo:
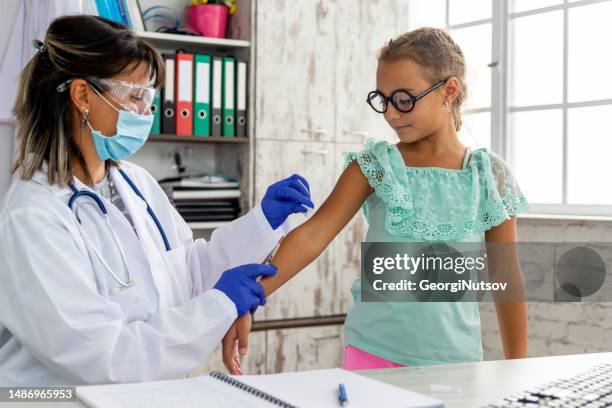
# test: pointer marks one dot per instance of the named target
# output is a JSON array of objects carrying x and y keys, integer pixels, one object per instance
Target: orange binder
[{"x": 184, "y": 94}]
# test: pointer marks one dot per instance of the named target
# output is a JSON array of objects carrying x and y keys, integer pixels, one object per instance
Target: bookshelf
[
  {"x": 196, "y": 139},
  {"x": 182, "y": 40},
  {"x": 229, "y": 155}
]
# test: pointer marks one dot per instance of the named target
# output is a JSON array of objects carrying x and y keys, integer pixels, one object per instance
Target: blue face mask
[{"x": 132, "y": 133}]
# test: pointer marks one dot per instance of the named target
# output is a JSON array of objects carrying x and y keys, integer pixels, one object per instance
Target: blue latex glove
[
  {"x": 285, "y": 197},
  {"x": 241, "y": 286}
]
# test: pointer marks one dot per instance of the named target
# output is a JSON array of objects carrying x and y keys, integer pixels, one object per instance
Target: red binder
[{"x": 184, "y": 94}]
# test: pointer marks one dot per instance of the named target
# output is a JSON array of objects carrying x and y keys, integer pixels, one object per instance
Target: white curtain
[{"x": 32, "y": 20}]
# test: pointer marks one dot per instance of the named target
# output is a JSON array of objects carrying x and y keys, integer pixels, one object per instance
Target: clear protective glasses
[
  {"x": 401, "y": 99},
  {"x": 128, "y": 95}
]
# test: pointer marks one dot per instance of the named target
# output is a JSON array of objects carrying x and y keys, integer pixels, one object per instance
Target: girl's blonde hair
[{"x": 437, "y": 53}]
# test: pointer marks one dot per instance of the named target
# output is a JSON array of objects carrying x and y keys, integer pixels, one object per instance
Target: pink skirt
[{"x": 357, "y": 359}]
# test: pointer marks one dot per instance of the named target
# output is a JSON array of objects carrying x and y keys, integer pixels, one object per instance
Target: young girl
[{"x": 427, "y": 187}]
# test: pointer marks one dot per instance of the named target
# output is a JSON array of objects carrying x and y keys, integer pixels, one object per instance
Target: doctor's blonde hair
[
  {"x": 77, "y": 46},
  {"x": 435, "y": 51}
]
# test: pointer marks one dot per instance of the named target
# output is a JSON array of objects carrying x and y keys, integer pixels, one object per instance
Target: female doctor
[{"x": 100, "y": 278}]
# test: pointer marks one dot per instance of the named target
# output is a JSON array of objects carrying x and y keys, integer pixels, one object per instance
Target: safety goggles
[
  {"x": 401, "y": 100},
  {"x": 128, "y": 95}
]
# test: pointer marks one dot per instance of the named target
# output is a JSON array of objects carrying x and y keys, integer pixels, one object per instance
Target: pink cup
[{"x": 208, "y": 20}]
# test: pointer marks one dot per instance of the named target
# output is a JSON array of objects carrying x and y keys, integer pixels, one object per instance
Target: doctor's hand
[
  {"x": 235, "y": 343},
  {"x": 241, "y": 286},
  {"x": 285, "y": 197}
]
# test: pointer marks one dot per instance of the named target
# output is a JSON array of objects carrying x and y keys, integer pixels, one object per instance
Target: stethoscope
[{"x": 100, "y": 204}]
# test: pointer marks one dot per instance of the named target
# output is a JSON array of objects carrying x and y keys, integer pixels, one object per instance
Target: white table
[
  {"x": 481, "y": 383},
  {"x": 488, "y": 381}
]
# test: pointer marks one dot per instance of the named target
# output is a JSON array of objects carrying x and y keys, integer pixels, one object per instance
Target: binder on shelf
[
  {"x": 156, "y": 111},
  {"x": 134, "y": 15},
  {"x": 229, "y": 105},
  {"x": 103, "y": 9},
  {"x": 191, "y": 194},
  {"x": 184, "y": 94},
  {"x": 201, "y": 104},
  {"x": 241, "y": 99},
  {"x": 112, "y": 10},
  {"x": 122, "y": 13},
  {"x": 217, "y": 93},
  {"x": 203, "y": 181},
  {"x": 169, "y": 116},
  {"x": 186, "y": 204}
]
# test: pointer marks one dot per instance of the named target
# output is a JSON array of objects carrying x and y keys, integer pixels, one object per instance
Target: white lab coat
[{"x": 60, "y": 322}]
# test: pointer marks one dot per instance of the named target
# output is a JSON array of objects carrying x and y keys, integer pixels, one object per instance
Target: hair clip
[
  {"x": 63, "y": 86},
  {"x": 39, "y": 45}
]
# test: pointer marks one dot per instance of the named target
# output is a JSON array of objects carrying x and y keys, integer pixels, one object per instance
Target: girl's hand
[{"x": 235, "y": 343}]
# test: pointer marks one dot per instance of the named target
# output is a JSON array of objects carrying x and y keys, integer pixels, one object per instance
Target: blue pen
[{"x": 342, "y": 397}]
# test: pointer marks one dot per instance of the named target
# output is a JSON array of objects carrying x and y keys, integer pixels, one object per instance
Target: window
[{"x": 538, "y": 92}]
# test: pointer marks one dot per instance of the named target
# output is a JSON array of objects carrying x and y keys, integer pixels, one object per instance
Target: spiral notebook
[{"x": 300, "y": 389}]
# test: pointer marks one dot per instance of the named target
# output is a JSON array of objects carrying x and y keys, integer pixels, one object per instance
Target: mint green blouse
[{"x": 422, "y": 204}]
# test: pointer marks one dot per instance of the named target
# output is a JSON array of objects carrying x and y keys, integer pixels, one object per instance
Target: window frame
[{"x": 500, "y": 109}]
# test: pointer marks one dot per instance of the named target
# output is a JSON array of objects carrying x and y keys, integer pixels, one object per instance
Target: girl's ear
[
  {"x": 79, "y": 94},
  {"x": 451, "y": 89}
]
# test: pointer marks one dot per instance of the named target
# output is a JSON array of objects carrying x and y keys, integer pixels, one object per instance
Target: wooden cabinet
[
  {"x": 322, "y": 288},
  {"x": 295, "y": 78},
  {"x": 362, "y": 27},
  {"x": 315, "y": 62},
  {"x": 310, "y": 293},
  {"x": 346, "y": 247},
  {"x": 253, "y": 363},
  {"x": 277, "y": 159},
  {"x": 281, "y": 350},
  {"x": 307, "y": 348}
]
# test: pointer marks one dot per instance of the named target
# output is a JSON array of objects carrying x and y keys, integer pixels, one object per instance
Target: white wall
[
  {"x": 557, "y": 328},
  {"x": 7, "y": 18}
]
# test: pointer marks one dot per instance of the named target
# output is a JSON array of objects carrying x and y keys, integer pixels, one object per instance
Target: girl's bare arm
[
  {"x": 510, "y": 307},
  {"x": 299, "y": 248},
  {"x": 305, "y": 243}
]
